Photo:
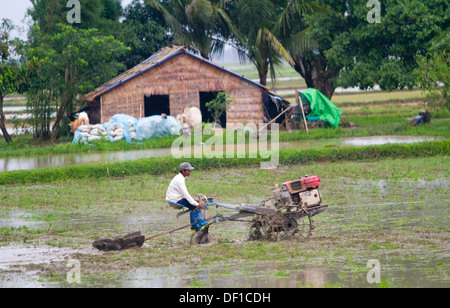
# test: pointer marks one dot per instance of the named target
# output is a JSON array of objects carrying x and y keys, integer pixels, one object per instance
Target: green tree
[
  {"x": 433, "y": 72},
  {"x": 70, "y": 63},
  {"x": 42, "y": 94},
  {"x": 11, "y": 74},
  {"x": 385, "y": 53},
  {"x": 349, "y": 51},
  {"x": 271, "y": 31},
  {"x": 142, "y": 32},
  {"x": 255, "y": 20},
  {"x": 218, "y": 106},
  {"x": 100, "y": 14},
  {"x": 200, "y": 25}
]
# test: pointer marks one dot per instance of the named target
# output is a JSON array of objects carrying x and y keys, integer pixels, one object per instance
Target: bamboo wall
[{"x": 182, "y": 77}]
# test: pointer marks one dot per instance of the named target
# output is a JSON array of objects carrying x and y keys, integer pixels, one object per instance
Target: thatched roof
[{"x": 156, "y": 59}]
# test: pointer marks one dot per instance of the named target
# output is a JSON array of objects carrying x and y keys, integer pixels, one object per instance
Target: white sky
[{"x": 16, "y": 10}]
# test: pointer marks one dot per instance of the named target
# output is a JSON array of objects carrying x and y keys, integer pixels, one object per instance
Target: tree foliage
[
  {"x": 255, "y": 20},
  {"x": 66, "y": 64},
  {"x": 100, "y": 14},
  {"x": 218, "y": 106},
  {"x": 11, "y": 74},
  {"x": 350, "y": 51},
  {"x": 201, "y": 25},
  {"x": 143, "y": 32},
  {"x": 433, "y": 72}
]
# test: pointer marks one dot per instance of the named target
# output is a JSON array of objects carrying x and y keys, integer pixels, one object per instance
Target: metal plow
[
  {"x": 288, "y": 213},
  {"x": 270, "y": 223}
]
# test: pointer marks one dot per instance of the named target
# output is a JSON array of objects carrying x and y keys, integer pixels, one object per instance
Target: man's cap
[{"x": 186, "y": 166}]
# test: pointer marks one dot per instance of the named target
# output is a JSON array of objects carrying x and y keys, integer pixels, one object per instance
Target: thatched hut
[{"x": 173, "y": 79}]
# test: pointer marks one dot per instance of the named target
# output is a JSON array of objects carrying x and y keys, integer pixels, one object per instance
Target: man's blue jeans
[
  {"x": 186, "y": 204},
  {"x": 197, "y": 218}
]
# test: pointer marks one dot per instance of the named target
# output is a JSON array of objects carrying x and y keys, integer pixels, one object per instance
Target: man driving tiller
[
  {"x": 178, "y": 197},
  {"x": 294, "y": 205}
]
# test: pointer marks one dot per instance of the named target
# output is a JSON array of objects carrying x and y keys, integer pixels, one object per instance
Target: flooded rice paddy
[{"x": 401, "y": 223}]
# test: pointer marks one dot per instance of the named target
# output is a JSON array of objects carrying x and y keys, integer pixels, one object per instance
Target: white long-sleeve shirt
[{"x": 177, "y": 190}]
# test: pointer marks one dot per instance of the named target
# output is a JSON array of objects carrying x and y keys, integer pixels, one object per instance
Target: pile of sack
[
  {"x": 122, "y": 126},
  {"x": 91, "y": 133},
  {"x": 116, "y": 132}
]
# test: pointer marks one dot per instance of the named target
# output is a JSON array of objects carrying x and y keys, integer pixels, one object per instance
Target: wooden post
[
  {"x": 275, "y": 118},
  {"x": 299, "y": 101}
]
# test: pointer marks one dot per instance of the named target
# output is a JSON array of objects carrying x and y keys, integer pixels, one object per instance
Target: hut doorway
[
  {"x": 208, "y": 117},
  {"x": 156, "y": 105}
]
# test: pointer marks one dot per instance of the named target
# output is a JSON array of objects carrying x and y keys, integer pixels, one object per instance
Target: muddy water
[
  {"x": 45, "y": 161},
  {"x": 31, "y": 254},
  {"x": 356, "y": 207},
  {"x": 287, "y": 275}
]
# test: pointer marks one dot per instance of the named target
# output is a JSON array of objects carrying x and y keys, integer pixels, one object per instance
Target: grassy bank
[
  {"x": 167, "y": 165},
  {"x": 372, "y": 97}
]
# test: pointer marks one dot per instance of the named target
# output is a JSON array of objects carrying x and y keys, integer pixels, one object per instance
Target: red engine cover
[
  {"x": 302, "y": 184},
  {"x": 310, "y": 181}
]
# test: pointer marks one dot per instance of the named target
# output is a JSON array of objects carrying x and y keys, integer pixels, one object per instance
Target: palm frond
[
  {"x": 199, "y": 12},
  {"x": 266, "y": 37},
  {"x": 171, "y": 21},
  {"x": 299, "y": 42},
  {"x": 292, "y": 14}
]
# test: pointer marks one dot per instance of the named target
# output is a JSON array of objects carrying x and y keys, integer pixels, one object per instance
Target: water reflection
[
  {"x": 379, "y": 140},
  {"x": 237, "y": 275},
  {"x": 29, "y": 163},
  {"x": 45, "y": 161}
]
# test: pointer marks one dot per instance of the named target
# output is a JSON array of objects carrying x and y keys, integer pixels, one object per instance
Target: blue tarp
[
  {"x": 157, "y": 126},
  {"x": 133, "y": 129}
]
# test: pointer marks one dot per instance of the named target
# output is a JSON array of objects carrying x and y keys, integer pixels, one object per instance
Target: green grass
[
  {"x": 366, "y": 97},
  {"x": 373, "y": 125},
  {"x": 147, "y": 191},
  {"x": 15, "y": 103},
  {"x": 369, "y": 97},
  {"x": 169, "y": 165}
]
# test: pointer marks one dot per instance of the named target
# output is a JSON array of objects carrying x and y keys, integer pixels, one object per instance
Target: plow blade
[
  {"x": 135, "y": 239},
  {"x": 313, "y": 211}
]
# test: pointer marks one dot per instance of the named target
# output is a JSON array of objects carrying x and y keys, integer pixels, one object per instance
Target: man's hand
[{"x": 200, "y": 205}]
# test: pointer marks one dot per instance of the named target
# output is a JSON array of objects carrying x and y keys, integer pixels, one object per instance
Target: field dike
[{"x": 169, "y": 165}]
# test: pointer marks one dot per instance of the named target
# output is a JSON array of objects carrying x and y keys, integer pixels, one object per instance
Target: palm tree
[
  {"x": 293, "y": 33},
  {"x": 272, "y": 31},
  {"x": 255, "y": 20},
  {"x": 200, "y": 25}
]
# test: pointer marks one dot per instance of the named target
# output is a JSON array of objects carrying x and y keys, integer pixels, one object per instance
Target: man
[{"x": 177, "y": 191}]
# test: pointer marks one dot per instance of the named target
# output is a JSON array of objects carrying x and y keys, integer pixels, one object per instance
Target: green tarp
[{"x": 321, "y": 107}]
